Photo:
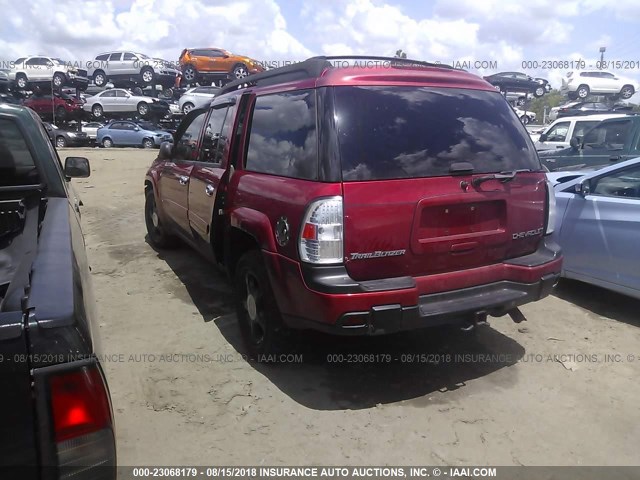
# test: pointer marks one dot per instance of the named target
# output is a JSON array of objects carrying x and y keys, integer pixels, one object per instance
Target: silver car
[
  {"x": 118, "y": 100},
  {"x": 197, "y": 97},
  {"x": 128, "y": 66},
  {"x": 27, "y": 70},
  {"x": 597, "y": 223}
]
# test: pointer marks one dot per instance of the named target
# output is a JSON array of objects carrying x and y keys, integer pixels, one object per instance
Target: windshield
[{"x": 407, "y": 132}]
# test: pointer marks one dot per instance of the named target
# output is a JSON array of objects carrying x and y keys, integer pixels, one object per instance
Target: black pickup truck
[
  {"x": 612, "y": 140},
  {"x": 56, "y": 419}
]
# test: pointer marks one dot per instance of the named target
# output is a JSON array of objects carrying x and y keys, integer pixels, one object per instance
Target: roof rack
[{"x": 313, "y": 68}]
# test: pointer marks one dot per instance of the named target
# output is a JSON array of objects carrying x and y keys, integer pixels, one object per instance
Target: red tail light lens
[{"x": 80, "y": 403}]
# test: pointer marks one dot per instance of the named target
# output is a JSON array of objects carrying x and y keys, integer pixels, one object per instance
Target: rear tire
[
  {"x": 261, "y": 325},
  {"x": 158, "y": 236},
  {"x": 107, "y": 143},
  {"x": 524, "y": 119},
  {"x": 61, "y": 142},
  {"x": 187, "y": 107},
  {"x": 583, "y": 91}
]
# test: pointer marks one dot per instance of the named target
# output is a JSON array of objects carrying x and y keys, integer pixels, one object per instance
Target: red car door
[
  {"x": 207, "y": 173},
  {"x": 173, "y": 184}
]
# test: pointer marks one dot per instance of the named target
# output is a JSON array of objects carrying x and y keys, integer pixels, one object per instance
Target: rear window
[
  {"x": 408, "y": 132},
  {"x": 16, "y": 163}
]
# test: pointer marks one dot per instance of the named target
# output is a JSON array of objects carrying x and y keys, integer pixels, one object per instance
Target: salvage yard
[{"x": 558, "y": 389}]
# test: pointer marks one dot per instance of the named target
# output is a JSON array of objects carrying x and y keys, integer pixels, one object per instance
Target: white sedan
[{"x": 118, "y": 100}]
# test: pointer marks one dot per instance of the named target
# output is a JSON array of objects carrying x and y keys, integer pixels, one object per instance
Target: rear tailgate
[
  {"x": 431, "y": 225},
  {"x": 409, "y": 159}
]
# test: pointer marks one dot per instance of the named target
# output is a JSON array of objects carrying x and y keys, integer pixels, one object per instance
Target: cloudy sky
[{"x": 507, "y": 32}]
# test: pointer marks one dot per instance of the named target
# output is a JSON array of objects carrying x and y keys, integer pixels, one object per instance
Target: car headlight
[
  {"x": 71, "y": 134},
  {"x": 541, "y": 82}
]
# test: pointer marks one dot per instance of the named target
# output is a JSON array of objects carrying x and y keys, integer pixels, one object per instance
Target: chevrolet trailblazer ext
[{"x": 359, "y": 200}]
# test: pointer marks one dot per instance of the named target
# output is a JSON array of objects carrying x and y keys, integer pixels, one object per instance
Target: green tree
[
  {"x": 400, "y": 54},
  {"x": 550, "y": 100}
]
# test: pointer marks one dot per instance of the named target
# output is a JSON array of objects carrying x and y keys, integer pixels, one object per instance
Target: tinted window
[
  {"x": 583, "y": 127},
  {"x": 187, "y": 145},
  {"x": 625, "y": 183},
  {"x": 102, "y": 57},
  {"x": 16, "y": 163},
  {"x": 282, "y": 138},
  {"x": 212, "y": 136},
  {"x": 407, "y": 132},
  {"x": 608, "y": 135},
  {"x": 115, "y": 56},
  {"x": 129, "y": 56}
]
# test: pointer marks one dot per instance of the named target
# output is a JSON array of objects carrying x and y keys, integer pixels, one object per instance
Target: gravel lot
[{"x": 541, "y": 392}]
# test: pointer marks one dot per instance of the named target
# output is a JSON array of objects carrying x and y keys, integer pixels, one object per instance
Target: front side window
[
  {"x": 129, "y": 56},
  {"x": 114, "y": 57},
  {"x": 608, "y": 135},
  {"x": 623, "y": 183},
  {"x": 187, "y": 145},
  {"x": 409, "y": 132},
  {"x": 558, "y": 132},
  {"x": 212, "y": 138},
  {"x": 108, "y": 94},
  {"x": 282, "y": 135},
  {"x": 16, "y": 163}
]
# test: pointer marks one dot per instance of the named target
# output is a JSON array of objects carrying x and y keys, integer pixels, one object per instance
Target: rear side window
[
  {"x": 608, "y": 135},
  {"x": 409, "y": 132},
  {"x": 282, "y": 135},
  {"x": 16, "y": 163}
]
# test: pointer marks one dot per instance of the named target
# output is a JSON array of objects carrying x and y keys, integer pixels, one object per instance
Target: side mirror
[
  {"x": 583, "y": 188},
  {"x": 76, "y": 167},
  {"x": 543, "y": 137},
  {"x": 165, "y": 151},
  {"x": 575, "y": 142},
  {"x": 136, "y": 129},
  {"x": 225, "y": 56}
]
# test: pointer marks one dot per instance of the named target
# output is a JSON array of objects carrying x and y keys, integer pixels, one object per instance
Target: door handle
[
  {"x": 615, "y": 158},
  {"x": 183, "y": 179},
  {"x": 209, "y": 189}
]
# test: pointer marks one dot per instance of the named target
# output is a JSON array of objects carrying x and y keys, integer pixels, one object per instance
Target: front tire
[
  {"x": 627, "y": 92},
  {"x": 58, "y": 80},
  {"x": 259, "y": 318},
  {"x": 147, "y": 143},
  {"x": 143, "y": 109},
  {"x": 187, "y": 107},
  {"x": 240, "y": 71},
  {"x": 190, "y": 73},
  {"x": 524, "y": 119},
  {"x": 147, "y": 75},
  {"x": 97, "y": 111},
  {"x": 21, "y": 81},
  {"x": 99, "y": 78},
  {"x": 539, "y": 92},
  {"x": 158, "y": 236}
]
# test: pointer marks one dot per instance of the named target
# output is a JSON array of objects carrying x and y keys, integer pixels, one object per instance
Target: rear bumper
[{"x": 328, "y": 300}]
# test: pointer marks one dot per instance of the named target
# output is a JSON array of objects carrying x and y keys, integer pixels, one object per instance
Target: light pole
[{"x": 602, "y": 50}]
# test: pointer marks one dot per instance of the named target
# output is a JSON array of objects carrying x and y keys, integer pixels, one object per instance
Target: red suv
[
  {"x": 381, "y": 196},
  {"x": 63, "y": 106}
]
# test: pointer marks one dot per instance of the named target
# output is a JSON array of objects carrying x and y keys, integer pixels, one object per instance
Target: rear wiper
[{"x": 504, "y": 177}]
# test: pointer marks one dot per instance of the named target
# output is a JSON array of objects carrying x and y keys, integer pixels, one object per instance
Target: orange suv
[{"x": 215, "y": 64}]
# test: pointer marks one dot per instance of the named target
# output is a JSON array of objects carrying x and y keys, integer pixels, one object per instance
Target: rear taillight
[
  {"x": 551, "y": 209},
  {"x": 82, "y": 424},
  {"x": 321, "y": 233}
]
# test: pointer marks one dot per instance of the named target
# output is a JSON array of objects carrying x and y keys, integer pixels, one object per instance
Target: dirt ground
[{"x": 559, "y": 389}]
